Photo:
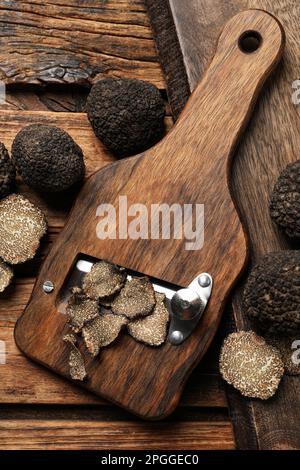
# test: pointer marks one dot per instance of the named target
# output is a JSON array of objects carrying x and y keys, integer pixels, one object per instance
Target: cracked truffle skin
[
  {"x": 127, "y": 115},
  {"x": 47, "y": 158},
  {"x": 285, "y": 200},
  {"x": 7, "y": 173},
  {"x": 271, "y": 296}
]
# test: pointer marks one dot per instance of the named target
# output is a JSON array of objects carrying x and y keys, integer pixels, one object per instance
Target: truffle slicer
[{"x": 190, "y": 165}]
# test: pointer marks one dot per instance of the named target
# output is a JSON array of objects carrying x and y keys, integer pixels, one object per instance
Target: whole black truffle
[
  {"x": 127, "y": 115},
  {"x": 272, "y": 293},
  {"x": 7, "y": 173},
  {"x": 47, "y": 158},
  {"x": 285, "y": 200}
]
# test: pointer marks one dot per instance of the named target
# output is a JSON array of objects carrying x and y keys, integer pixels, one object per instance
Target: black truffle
[
  {"x": 47, "y": 158},
  {"x": 7, "y": 173},
  {"x": 127, "y": 115},
  {"x": 285, "y": 200},
  {"x": 272, "y": 293}
]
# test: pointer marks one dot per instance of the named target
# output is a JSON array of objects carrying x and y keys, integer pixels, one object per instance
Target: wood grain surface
[
  {"x": 271, "y": 141},
  {"x": 97, "y": 430},
  {"x": 149, "y": 381},
  {"x": 75, "y": 42}
]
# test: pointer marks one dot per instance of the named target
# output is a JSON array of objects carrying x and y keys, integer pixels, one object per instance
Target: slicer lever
[{"x": 187, "y": 307}]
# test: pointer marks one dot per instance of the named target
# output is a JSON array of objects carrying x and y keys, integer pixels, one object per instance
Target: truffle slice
[
  {"x": 251, "y": 365},
  {"x": 102, "y": 331},
  {"x": 136, "y": 299},
  {"x": 70, "y": 338},
  {"x": 81, "y": 310},
  {"x": 290, "y": 352},
  {"x": 103, "y": 281},
  {"x": 285, "y": 200},
  {"x": 47, "y": 158},
  {"x": 272, "y": 295},
  {"x": 22, "y": 225},
  {"x": 152, "y": 330},
  {"x": 76, "y": 362},
  {"x": 127, "y": 115},
  {"x": 6, "y": 275},
  {"x": 7, "y": 173}
]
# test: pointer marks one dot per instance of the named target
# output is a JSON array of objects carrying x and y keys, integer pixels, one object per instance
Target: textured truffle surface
[
  {"x": 151, "y": 330},
  {"x": 285, "y": 200},
  {"x": 6, "y": 275},
  {"x": 7, "y": 173},
  {"x": 104, "y": 280},
  {"x": 47, "y": 158},
  {"x": 251, "y": 365},
  {"x": 136, "y": 299},
  {"x": 127, "y": 115},
  {"x": 76, "y": 361},
  {"x": 22, "y": 225},
  {"x": 81, "y": 310},
  {"x": 102, "y": 331},
  {"x": 272, "y": 293}
]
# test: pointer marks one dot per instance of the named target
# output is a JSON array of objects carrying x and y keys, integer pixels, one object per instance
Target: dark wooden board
[
  {"x": 75, "y": 42},
  {"x": 149, "y": 381},
  {"x": 97, "y": 428},
  {"x": 271, "y": 141}
]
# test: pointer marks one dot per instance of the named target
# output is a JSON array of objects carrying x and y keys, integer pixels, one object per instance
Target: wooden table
[{"x": 39, "y": 410}]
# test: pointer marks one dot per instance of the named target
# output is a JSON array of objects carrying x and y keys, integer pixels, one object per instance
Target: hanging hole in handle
[{"x": 250, "y": 41}]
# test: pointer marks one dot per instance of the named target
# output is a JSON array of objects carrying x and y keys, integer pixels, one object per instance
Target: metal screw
[
  {"x": 204, "y": 280},
  {"x": 176, "y": 337},
  {"x": 48, "y": 287}
]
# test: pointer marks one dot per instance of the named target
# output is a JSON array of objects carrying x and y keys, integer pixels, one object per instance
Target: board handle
[{"x": 248, "y": 50}]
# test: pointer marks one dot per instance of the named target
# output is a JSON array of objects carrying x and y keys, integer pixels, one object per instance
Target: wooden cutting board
[
  {"x": 185, "y": 39},
  {"x": 190, "y": 165}
]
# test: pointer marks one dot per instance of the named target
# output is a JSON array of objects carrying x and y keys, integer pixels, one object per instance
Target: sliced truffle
[
  {"x": 127, "y": 115},
  {"x": 47, "y": 158},
  {"x": 289, "y": 350},
  {"x": 70, "y": 338},
  {"x": 6, "y": 275},
  {"x": 271, "y": 296},
  {"x": 102, "y": 331},
  {"x": 22, "y": 225},
  {"x": 152, "y": 330},
  {"x": 285, "y": 200},
  {"x": 251, "y": 365},
  {"x": 103, "y": 281},
  {"x": 7, "y": 173},
  {"x": 81, "y": 310},
  {"x": 136, "y": 299},
  {"x": 76, "y": 362}
]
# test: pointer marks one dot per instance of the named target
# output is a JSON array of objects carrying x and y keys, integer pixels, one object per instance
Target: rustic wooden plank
[
  {"x": 51, "y": 98},
  {"x": 71, "y": 429},
  {"x": 171, "y": 62},
  {"x": 71, "y": 41},
  {"x": 271, "y": 142}
]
